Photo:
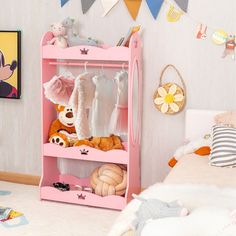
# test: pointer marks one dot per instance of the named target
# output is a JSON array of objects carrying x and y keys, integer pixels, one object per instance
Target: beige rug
[{"x": 51, "y": 218}]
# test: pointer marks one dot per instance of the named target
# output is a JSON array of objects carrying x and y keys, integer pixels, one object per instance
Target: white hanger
[
  {"x": 123, "y": 67},
  {"x": 102, "y": 71},
  {"x": 85, "y": 67}
]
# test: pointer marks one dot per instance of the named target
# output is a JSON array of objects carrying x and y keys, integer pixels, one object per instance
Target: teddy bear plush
[
  {"x": 59, "y": 35},
  {"x": 102, "y": 143},
  {"x": 62, "y": 131}
]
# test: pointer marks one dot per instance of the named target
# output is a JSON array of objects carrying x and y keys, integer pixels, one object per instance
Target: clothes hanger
[
  {"x": 85, "y": 67},
  {"x": 102, "y": 71},
  {"x": 123, "y": 67}
]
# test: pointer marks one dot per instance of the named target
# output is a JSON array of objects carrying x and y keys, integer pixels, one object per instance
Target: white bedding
[
  {"x": 209, "y": 206},
  {"x": 208, "y": 192}
]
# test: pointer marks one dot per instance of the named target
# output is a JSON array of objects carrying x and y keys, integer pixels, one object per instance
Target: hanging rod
[{"x": 124, "y": 65}]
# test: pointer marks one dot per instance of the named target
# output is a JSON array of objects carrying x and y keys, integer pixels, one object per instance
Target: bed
[{"x": 209, "y": 193}]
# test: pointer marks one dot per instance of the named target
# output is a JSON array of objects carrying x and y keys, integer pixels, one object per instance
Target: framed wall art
[{"x": 10, "y": 64}]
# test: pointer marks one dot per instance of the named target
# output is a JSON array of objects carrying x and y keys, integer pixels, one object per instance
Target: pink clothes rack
[
  {"x": 111, "y": 57},
  {"x": 121, "y": 65}
]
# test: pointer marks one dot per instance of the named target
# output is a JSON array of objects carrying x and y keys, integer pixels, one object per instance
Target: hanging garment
[
  {"x": 103, "y": 104},
  {"x": 119, "y": 118},
  {"x": 81, "y": 100},
  {"x": 59, "y": 89}
]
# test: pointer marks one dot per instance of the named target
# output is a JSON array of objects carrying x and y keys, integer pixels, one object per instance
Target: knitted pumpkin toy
[{"x": 109, "y": 179}]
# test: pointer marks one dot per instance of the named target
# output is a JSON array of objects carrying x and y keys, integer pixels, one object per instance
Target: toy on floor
[
  {"x": 73, "y": 38},
  {"x": 11, "y": 219},
  {"x": 59, "y": 35},
  {"x": 102, "y": 143},
  {"x": 109, "y": 179},
  {"x": 152, "y": 209},
  {"x": 119, "y": 116},
  {"x": 62, "y": 130},
  {"x": 201, "y": 147}
]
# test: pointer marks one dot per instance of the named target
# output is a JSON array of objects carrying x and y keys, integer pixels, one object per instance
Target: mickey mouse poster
[{"x": 10, "y": 64}]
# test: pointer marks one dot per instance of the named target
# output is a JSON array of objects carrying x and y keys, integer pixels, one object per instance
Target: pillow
[
  {"x": 226, "y": 118},
  {"x": 223, "y": 151}
]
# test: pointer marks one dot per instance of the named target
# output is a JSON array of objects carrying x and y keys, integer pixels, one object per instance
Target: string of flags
[
  {"x": 133, "y": 6},
  {"x": 176, "y": 9}
]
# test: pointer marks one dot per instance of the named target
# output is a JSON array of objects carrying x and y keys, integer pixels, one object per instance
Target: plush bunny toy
[
  {"x": 59, "y": 33},
  {"x": 73, "y": 38},
  {"x": 156, "y": 209}
]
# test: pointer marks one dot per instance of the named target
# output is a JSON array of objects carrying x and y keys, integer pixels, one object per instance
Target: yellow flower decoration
[{"x": 169, "y": 99}]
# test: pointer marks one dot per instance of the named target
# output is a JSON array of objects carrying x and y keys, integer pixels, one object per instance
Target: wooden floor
[{"x": 19, "y": 178}]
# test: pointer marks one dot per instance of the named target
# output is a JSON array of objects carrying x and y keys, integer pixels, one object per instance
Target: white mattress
[{"x": 195, "y": 169}]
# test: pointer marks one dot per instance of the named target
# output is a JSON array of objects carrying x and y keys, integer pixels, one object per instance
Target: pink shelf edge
[
  {"x": 106, "y": 53},
  {"x": 91, "y": 199},
  {"x": 113, "y": 156},
  {"x": 47, "y": 192}
]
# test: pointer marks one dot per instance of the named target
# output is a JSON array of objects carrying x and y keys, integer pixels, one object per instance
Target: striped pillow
[{"x": 223, "y": 151}]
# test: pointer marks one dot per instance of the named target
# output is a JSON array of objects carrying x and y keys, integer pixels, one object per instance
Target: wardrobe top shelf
[{"x": 84, "y": 52}]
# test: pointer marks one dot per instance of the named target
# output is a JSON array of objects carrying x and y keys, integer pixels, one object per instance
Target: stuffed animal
[
  {"x": 102, "y": 143},
  {"x": 73, "y": 38},
  {"x": 109, "y": 179},
  {"x": 200, "y": 147},
  {"x": 59, "y": 35},
  {"x": 155, "y": 209},
  {"x": 62, "y": 130}
]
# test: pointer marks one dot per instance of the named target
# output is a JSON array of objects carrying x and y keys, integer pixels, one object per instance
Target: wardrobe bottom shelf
[{"x": 82, "y": 198}]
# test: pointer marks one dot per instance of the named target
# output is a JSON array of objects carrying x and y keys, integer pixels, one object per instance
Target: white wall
[{"x": 211, "y": 81}]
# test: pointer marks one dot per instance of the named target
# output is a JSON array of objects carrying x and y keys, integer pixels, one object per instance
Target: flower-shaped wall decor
[{"x": 169, "y": 98}]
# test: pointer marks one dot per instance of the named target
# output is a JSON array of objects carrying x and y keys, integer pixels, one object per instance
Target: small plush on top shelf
[
  {"x": 59, "y": 35},
  {"x": 73, "y": 38}
]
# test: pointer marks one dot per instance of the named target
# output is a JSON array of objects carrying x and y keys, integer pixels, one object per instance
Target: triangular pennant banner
[
  {"x": 154, "y": 6},
  {"x": 183, "y": 4},
  {"x": 86, "y": 4},
  {"x": 108, "y": 5},
  {"x": 63, "y": 2},
  {"x": 133, "y": 7}
]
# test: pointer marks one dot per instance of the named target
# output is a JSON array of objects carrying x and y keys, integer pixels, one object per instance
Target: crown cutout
[
  {"x": 84, "y": 51},
  {"x": 84, "y": 152},
  {"x": 81, "y": 196}
]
